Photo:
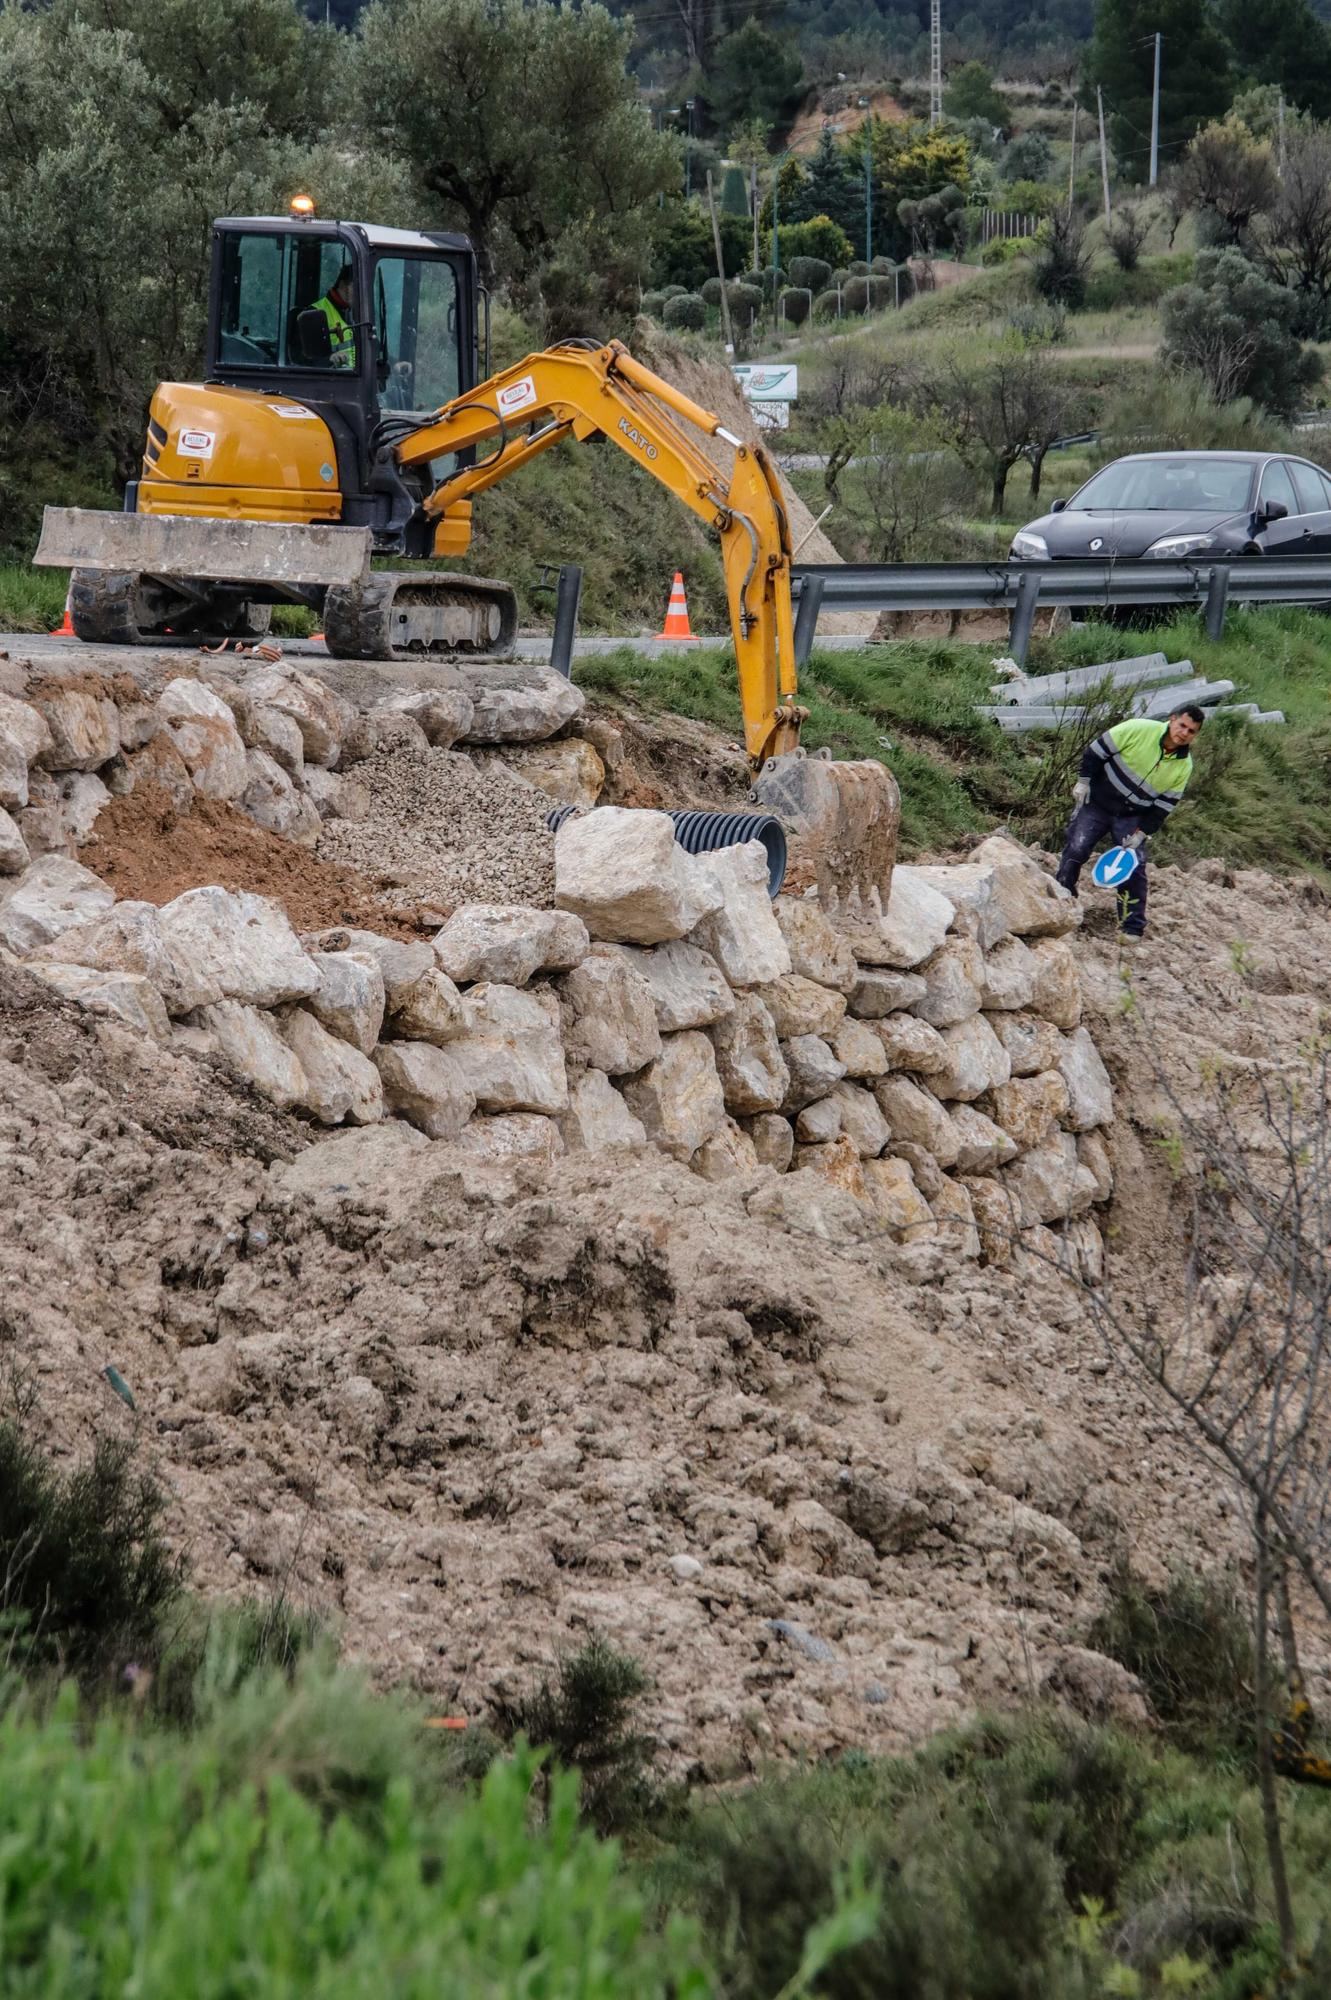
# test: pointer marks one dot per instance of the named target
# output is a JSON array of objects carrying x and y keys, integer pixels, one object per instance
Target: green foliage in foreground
[
  {"x": 129, "y": 1865},
  {"x": 1261, "y": 797}
]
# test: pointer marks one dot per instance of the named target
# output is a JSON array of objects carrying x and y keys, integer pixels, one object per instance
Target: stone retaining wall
[{"x": 930, "y": 1078}]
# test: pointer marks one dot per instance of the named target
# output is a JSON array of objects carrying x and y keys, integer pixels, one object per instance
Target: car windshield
[{"x": 1167, "y": 485}]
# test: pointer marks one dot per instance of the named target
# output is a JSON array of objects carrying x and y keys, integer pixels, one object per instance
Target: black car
[{"x": 1186, "y": 503}]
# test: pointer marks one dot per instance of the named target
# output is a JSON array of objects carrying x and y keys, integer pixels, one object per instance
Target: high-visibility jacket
[
  {"x": 340, "y": 333},
  {"x": 1133, "y": 776}
]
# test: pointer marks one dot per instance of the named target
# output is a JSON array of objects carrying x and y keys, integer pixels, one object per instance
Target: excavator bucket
[{"x": 846, "y": 819}]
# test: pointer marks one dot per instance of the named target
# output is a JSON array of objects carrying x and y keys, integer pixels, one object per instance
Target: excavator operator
[{"x": 338, "y": 306}]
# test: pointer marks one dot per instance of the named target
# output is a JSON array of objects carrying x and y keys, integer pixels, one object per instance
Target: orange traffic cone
[
  {"x": 65, "y": 629},
  {"x": 677, "y": 612}
]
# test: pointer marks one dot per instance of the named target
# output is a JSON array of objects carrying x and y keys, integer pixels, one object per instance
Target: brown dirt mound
[{"x": 149, "y": 851}]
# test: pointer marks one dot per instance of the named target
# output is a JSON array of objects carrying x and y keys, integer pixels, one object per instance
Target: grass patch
[{"x": 1190, "y": 1645}]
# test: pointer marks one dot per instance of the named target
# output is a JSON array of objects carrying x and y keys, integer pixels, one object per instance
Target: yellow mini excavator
[{"x": 346, "y": 403}]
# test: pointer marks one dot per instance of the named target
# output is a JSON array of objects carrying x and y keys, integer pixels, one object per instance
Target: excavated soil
[
  {"x": 475, "y": 1411},
  {"x": 147, "y": 849}
]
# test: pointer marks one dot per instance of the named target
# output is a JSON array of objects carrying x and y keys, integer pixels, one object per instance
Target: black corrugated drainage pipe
[{"x": 704, "y": 832}]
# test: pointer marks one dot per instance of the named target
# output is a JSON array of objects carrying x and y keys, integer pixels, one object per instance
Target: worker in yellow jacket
[
  {"x": 1131, "y": 779},
  {"x": 337, "y": 307}
]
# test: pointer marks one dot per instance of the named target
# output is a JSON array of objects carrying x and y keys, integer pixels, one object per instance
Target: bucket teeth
[{"x": 848, "y": 817}]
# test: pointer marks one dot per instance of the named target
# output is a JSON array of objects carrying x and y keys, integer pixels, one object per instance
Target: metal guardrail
[{"x": 1083, "y": 583}]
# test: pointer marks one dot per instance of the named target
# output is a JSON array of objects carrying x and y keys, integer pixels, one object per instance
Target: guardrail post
[
  {"x": 1023, "y": 615},
  {"x": 1217, "y": 598},
  {"x": 806, "y": 618},
  {"x": 568, "y": 598}
]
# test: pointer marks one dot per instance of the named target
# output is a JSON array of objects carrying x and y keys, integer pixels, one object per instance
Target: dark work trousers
[{"x": 1089, "y": 828}]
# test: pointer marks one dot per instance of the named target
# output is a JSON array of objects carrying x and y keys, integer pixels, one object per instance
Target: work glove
[
  {"x": 1081, "y": 793},
  {"x": 1135, "y": 840}
]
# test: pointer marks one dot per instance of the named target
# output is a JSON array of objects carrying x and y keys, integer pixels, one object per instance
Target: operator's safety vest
[
  {"x": 340, "y": 333},
  {"x": 1140, "y": 774}
]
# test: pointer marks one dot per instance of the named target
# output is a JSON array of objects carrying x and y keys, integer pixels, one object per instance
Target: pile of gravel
[{"x": 441, "y": 832}]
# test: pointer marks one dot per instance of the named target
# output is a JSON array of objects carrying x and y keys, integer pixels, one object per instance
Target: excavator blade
[
  {"x": 846, "y": 818},
  {"x": 205, "y": 546}
]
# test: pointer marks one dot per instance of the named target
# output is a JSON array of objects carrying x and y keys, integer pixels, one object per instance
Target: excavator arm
[{"x": 583, "y": 391}]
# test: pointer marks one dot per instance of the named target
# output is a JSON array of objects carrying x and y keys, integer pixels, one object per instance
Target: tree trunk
[
  {"x": 1266, "y": 1771},
  {"x": 1037, "y": 467},
  {"x": 1002, "y": 467}
]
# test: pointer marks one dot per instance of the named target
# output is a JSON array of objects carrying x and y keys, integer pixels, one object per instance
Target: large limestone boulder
[
  {"x": 25, "y": 728},
  {"x": 983, "y": 1145},
  {"x": 278, "y": 735},
  {"x": 998, "y": 1217},
  {"x": 273, "y": 801},
  {"x": 1007, "y": 977},
  {"x": 13, "y": 773},
  {"x": 129, "y": 938},
  {"x": 120, "y": 996},
  {"x": 817, "y": 951},
  {"x": 83, "y": 725},
  {"x": 598, "y": 1117},
  {"x": 341, "y": 1084},
  {"x": 742, "y": 933},
  {"x": 1090, "y": 1093},
  {"x": 818, "y": 1124},
  {"x": 855, "y": 1044},
  {"x": 915, "y": 1115},
  {"x": 917, "y": 919},
  {"x": 812, "y": 1068},
  {"x": 836, "y": 1162},
  {"x": 349, "y": 999},
  {"x": 82, "y": 797},
  {"x": 52, "y": 896},
  {"x": 511, "y": 1056},
  {"x": 14, "y": 855},
  {"x": 511, "y": 1135},
  {"x": 1093, "y": 1154},
  {"x": 429, "y": 1010},
  {"x": 323, "y": 718},
  {"x": 160, "y": 763},
  {"x": 204, "y": 731},
  {"x": 517, "y": 701},
  {"x": 679, "y": 1097},
  {"x": 569, "y": 770},
  {"x": 1049, "y": 1182},
  {"x": 973, "y": 892},
  {"x": 443, "y": 714},
  {"x": 1057, "y": 995},
  {"x": 1032, "y": 902},
  {"x": 1029, "y": 1107},
  {"x": 1032, "y": 1044},
  {"x": 401, "y": 963},
  {"x": 976, "y": 1061},
  {"x": 242, "y": 944},
  {"x": 509, "y": 942},
  {"x": 860, "y": 1117},
  {"x": 335, "y": 795},
  {"x": 800, "y": 1006},
  {"x": 954, "y": 1212},
  {"x": 909, "y": 1043},
  {"x": 609, "y": 1016},
  {"x": 728, "y": 1155},
  {"x": 878, "y": 992},
  {"x": 249, "y": 1042},
  {"x": 892, "y": 1194},
  {"x": 773, "y": 1140},
  {"x": 626, "y": 876},
  {"x": 424, "y": 1085},
  {"x": 953, "y": 980},
  {"x": 688, "y": 987}
]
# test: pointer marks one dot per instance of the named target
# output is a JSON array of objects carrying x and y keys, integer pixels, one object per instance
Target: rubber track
[
  {"x": 358, "y": 624},
  {"x": 102, "y": 606}
]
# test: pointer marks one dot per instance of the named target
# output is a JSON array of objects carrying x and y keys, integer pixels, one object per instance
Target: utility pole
[
  {"x": 688, "y": 152},
  {"x": 753, "y": 204},
  {"x": 1072, "y": 156},
  {"x": 1280, "y": 141},
  {"x": 726, "y": 330},
  {"x": 868, "y": 200},
  {"x": 1155, "y": 117},
  {"x": 1104, "y": 157},
  {"x": 935, "y": 62}
]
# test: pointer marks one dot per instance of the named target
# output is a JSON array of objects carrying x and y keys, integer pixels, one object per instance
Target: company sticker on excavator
[
  {"x": 517, "y": 396},
  {"x": 292, "y": 410},
  {"x": 196, "y": 444},
  {"x": 644, "y": 445}
]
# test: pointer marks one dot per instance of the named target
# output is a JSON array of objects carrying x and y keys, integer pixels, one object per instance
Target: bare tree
[
  {"x": 999, "y": 411},
  {"x": 1126, "y": 235},
  {"x": 1229, "y": 175},
  {"x": 1294, "y": 241}
]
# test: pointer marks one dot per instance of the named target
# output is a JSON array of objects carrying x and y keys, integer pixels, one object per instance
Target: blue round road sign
[{"x": 1116, "y": 866}]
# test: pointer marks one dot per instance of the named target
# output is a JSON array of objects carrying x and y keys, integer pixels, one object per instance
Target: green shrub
[
  {"x": 653, "y": 303},
  {"x": 711, "y": 292},
  {"x": 857, "y": 267},
  {"x": 135, "y": 1863},
  {"x": 1190, "y": 1646},
  {"x": 584, "y": 1719},
  {"x": 744, "y": 301},
  {"x": 795, "y": 304},
  {"x": 85, "y": 1570},
  {"x": 685, "y": 310},
  {"x": 818, "y": 237},
  {"x": 827, "y": 306},
  {"x": 812, "y": 274}
]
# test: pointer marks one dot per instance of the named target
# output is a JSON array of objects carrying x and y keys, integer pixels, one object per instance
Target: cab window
[
  {"x": 268, "y": 281},
  {"x": 416, "y": 324}
]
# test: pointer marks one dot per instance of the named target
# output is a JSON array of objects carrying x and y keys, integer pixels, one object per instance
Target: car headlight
[
  {"x": 1034, "y": 547},
  {"x": 1180, "y": 545}
]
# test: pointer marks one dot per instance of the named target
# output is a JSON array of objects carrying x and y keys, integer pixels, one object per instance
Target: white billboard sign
[{"x": 768, "y": 381}]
